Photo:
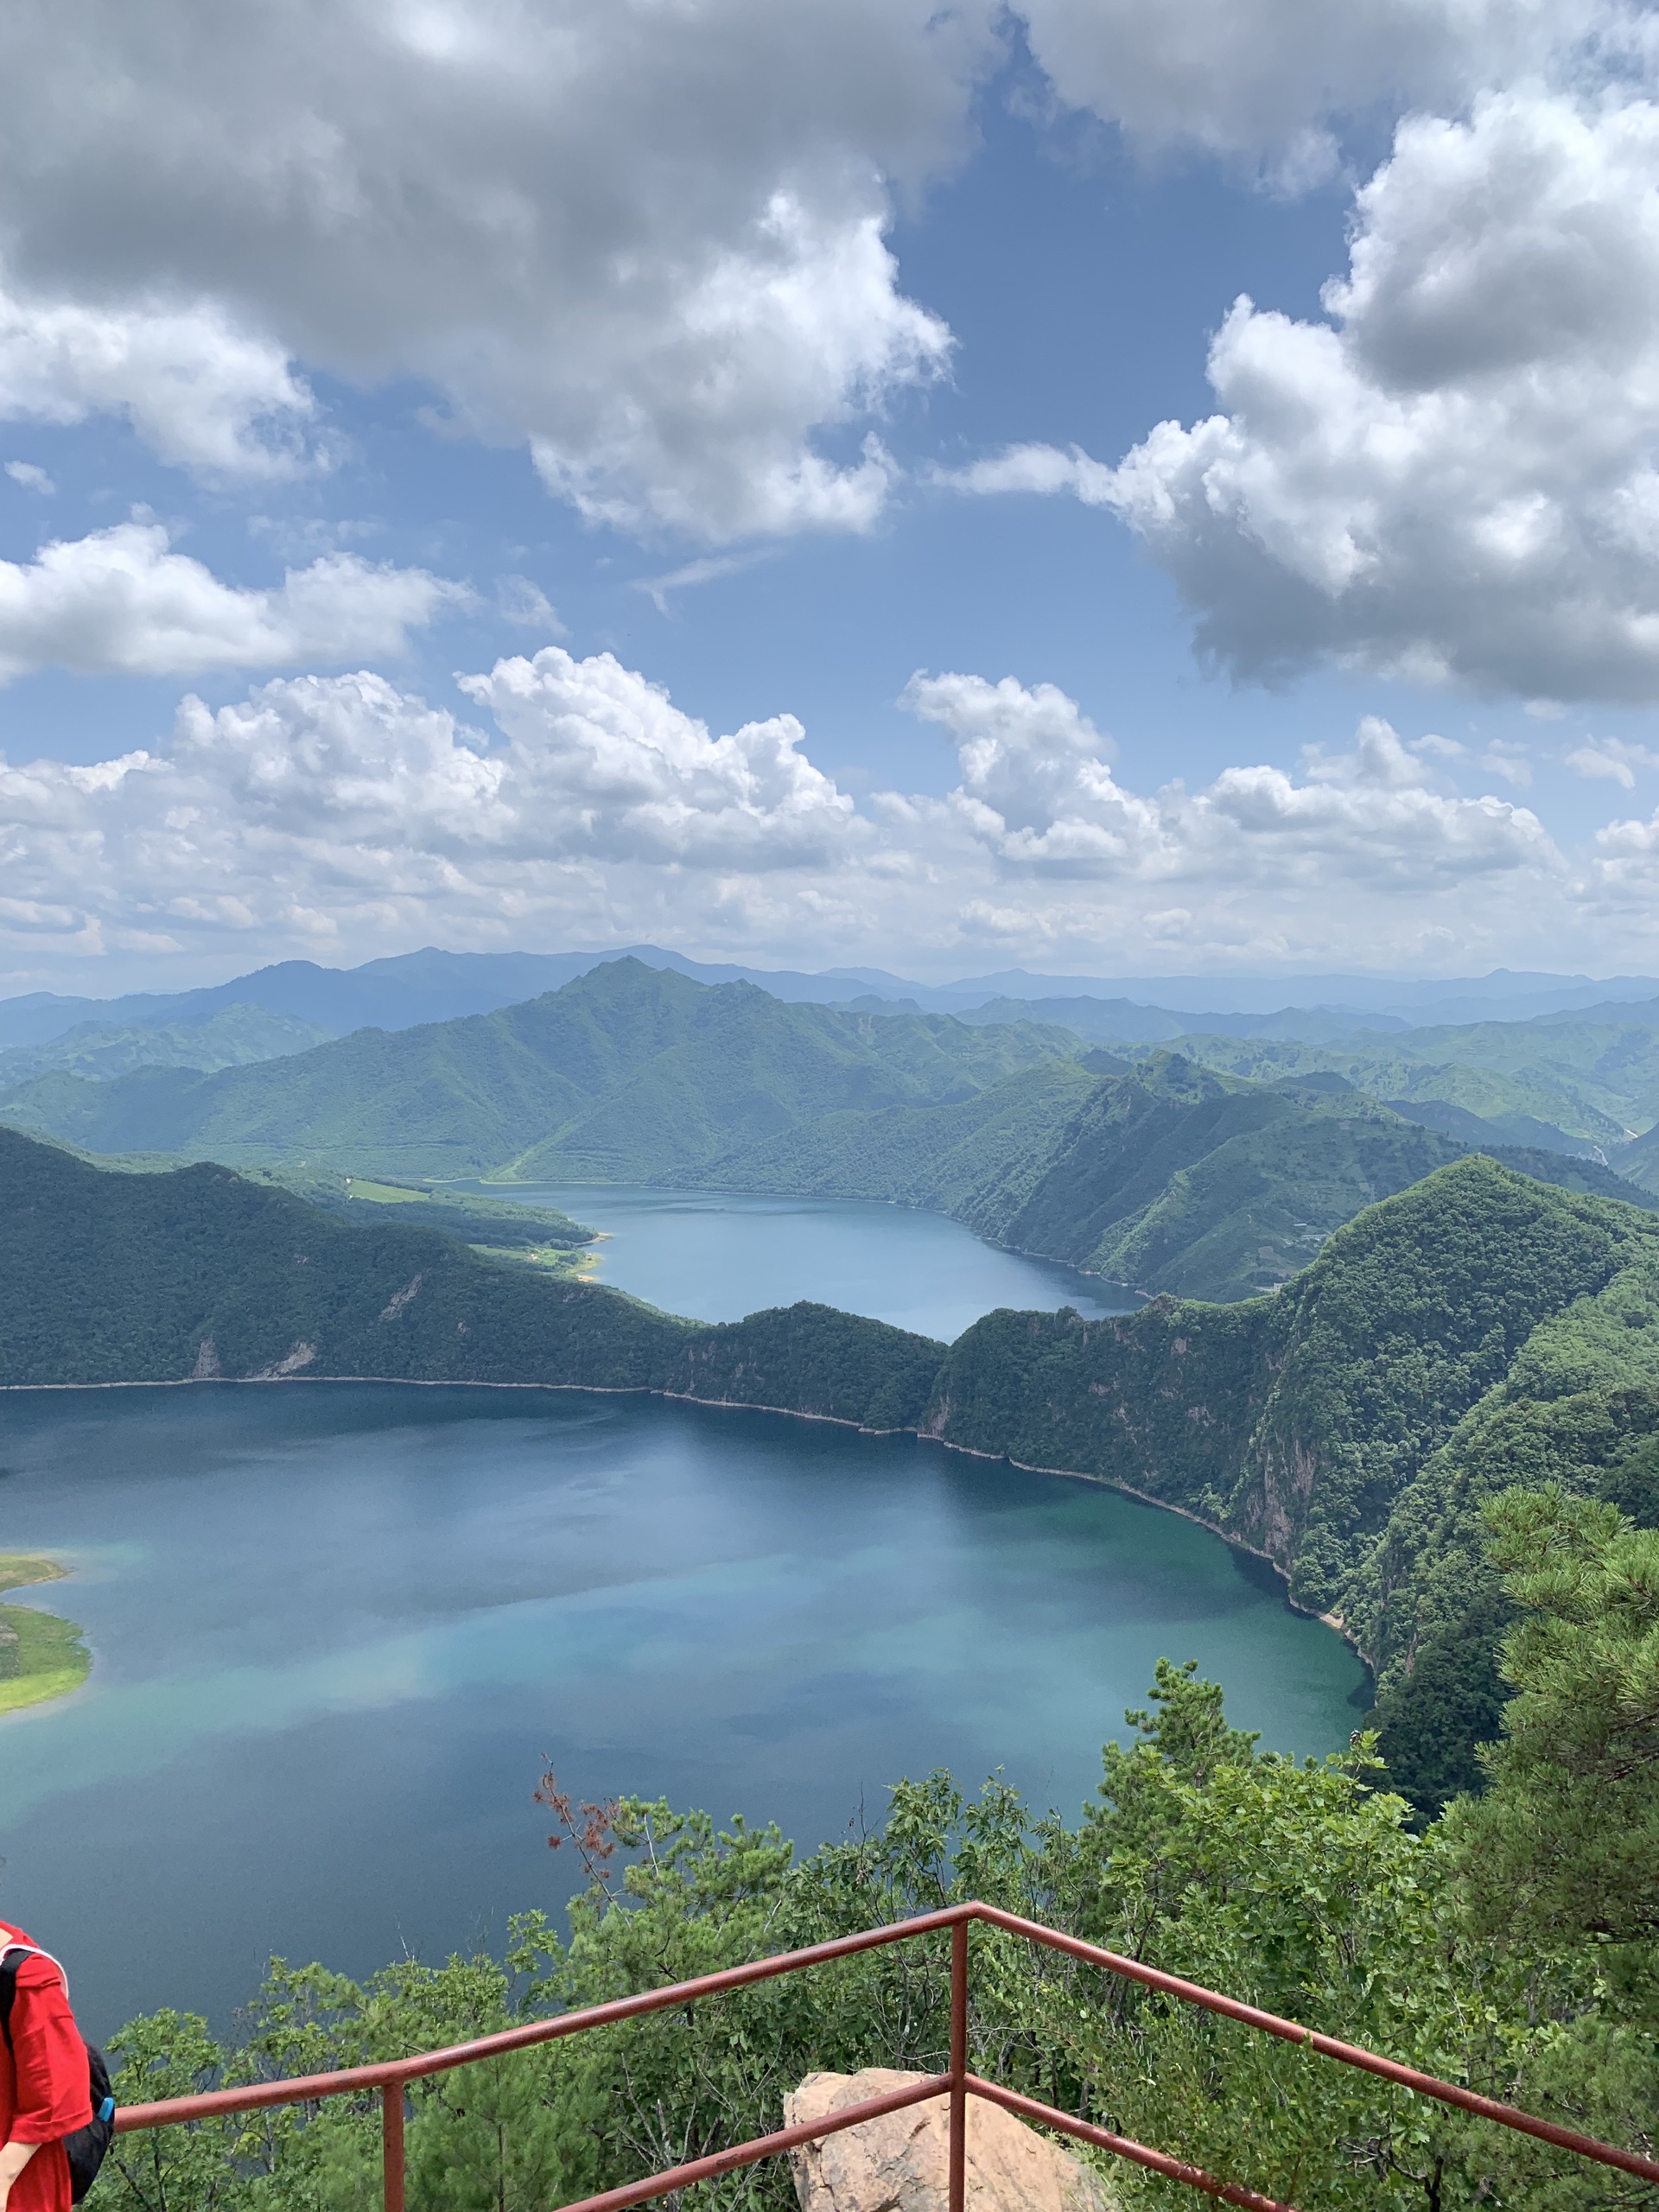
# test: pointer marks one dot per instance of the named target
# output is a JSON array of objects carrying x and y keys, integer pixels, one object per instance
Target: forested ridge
[
  {"x": 627, "y": 1074},
  {"x": 1591, "y": 1075},
  {"x": 199, "y": 1274}
]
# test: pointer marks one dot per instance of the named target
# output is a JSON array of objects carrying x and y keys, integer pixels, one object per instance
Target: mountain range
[
  {"x": 407, "y": 988},
  {"x": 1166, "y": 1175}
]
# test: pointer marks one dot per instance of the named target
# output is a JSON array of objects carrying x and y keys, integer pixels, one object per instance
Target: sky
[{"x": 1102, "y": 489}]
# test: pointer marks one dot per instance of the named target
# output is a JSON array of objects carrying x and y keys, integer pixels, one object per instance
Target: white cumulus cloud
[
  {"x": 646, "y": 241},
  {"x": 1456, "y": 476},
  {"x": 1037, "y": 789},
  {"x": 604, "y": 764},
  {"x": 120, "y": 602},
  {"x": 339, "y": 817},
  {"x": 200, "y": 390}
]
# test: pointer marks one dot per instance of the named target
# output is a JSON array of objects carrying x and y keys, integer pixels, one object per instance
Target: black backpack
[{"x": 84, "y": 2149}]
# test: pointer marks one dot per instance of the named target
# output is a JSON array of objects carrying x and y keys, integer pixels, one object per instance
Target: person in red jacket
[{"x": 43, "y": 2085}]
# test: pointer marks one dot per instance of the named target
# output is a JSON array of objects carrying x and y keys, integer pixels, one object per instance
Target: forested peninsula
[{"x": 1479, "y": 1327}]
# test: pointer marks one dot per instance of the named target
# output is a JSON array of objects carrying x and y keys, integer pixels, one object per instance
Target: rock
[{"x": 901, "y": 2162}]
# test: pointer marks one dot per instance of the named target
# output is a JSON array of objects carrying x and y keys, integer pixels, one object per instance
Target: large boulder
[{"x": 901, "y": 2162}]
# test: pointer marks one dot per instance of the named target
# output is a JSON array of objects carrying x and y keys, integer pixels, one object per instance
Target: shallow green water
[{"x": 336, "y": 1629}]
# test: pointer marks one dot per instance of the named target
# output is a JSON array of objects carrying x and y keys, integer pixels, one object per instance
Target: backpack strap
[{"x": 11, "y": 1960}]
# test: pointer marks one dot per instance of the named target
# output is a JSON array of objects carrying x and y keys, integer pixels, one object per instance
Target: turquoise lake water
[
  {"x": 717, "y": 1255},
  {"x": 337, "y": 1628}
]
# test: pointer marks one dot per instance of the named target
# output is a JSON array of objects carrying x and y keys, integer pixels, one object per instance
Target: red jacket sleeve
[{"x": 49, "y": 2058}]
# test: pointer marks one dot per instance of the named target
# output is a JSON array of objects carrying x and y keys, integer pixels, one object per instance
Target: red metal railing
[{"x": 391, "y": 2078}]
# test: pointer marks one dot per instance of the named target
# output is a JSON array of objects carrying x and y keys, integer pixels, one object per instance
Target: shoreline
[{"x": 1332, "y": 1621}]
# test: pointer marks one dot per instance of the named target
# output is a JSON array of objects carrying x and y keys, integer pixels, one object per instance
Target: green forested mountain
[
  {"x": 1593, "y": 1074},
  {"x": 228, "y": 1037},
  {"x": 627, "y": 1074},
  {"x": 1639, "y": 1162},
  {"x": 1296, "y": 1421},
  {"x": 198, "y": 1273},
  {"x": 1477, "y": 1327},
  {"x": 1478, "y": 1330},
  {"x": 1178, "y": 1179},
  {"x": 1167, "y": 1176}
]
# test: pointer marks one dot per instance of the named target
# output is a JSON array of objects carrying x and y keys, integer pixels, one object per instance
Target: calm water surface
[
  {"x": 336, "y": 1628},
  {"x": 717, "y": 1255}
]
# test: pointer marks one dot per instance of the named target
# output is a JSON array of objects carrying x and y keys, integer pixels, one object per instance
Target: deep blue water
[{"x": 338, "y": 1627}]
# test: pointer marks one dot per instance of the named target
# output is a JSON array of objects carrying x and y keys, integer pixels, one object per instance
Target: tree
[{"x": 1566, "y": 1842}]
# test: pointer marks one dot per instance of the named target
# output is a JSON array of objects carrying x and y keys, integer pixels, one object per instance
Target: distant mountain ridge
[
  {"x": 1591, "y": 1076},
  {"x": 627, "y": 1074},
  {"x": 233, "y": 1035},
  {"x": 405, "y": 990},
  {"x": 1169, "y": 1177}
]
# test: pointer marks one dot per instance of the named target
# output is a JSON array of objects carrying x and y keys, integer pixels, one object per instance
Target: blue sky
[{"x": 1361, "y": 673}]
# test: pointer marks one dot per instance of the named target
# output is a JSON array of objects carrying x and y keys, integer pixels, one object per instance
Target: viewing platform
[{"x": 392, "y": 2079}]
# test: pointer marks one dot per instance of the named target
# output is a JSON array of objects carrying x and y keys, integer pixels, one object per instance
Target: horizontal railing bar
[
  {"x": 762, "y": 2147},
  {"x": 1390, "y": 2069},
  {"x": 260, "y": 2095},
  {"x": 256, "y": 2096},
  {"x": 1230, "y": 2192}
]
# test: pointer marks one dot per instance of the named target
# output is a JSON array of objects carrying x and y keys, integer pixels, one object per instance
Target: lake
[
  {"x": 716, "y": 1255},
  {"x": 337, "y": 1627}
]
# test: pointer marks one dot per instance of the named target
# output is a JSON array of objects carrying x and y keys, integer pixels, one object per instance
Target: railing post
[
  {"x": 958, "y": 2065},
  {"x": 392, "y": 2145}
]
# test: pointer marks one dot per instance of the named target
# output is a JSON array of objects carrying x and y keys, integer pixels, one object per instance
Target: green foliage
[
  {"x": 964, "y": 1157},
  {"x": 492, "y": 1223},
  {"x": 42, "y": 1655},
  {"x": 1181, "y": 1181},
  {"x": 1410, "y": 1315},
  {"x": 1594, "y": 1076},
  {"x": 1566, "y": 1842},
  {"x": 1579, "y": 1409},
  {"x": 1433, "y": 1720},
  {"x": 1297, "y": 1423}
]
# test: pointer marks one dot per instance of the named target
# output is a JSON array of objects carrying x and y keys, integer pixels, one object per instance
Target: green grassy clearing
[
  {"x": 42, "y": 1655},
  {"x": 548, "y": 1259}
]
